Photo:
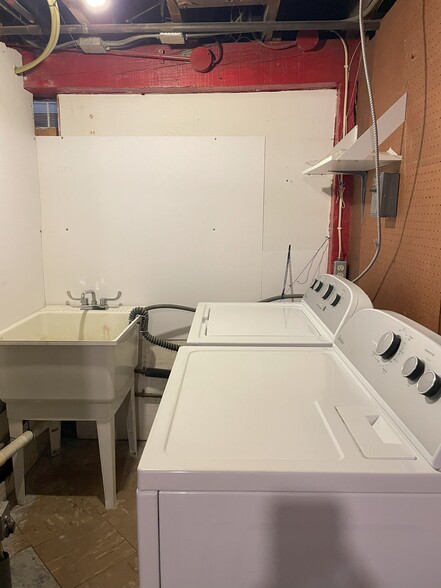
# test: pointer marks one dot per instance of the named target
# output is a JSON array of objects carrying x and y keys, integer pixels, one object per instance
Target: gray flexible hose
[{"x": 143, "y": 313}]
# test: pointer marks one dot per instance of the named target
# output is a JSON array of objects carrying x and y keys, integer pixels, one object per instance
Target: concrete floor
[{"x": 65, "y": 538}]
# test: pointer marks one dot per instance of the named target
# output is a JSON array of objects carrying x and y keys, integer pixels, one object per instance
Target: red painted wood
[
  {"x": 348, "y": 183},
  {"x": 245, "y": 67}
]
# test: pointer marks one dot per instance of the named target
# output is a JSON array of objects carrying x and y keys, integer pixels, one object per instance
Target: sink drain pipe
[
  {"x": 21, "y": 441},
  {"x": 153, "y": 372}
]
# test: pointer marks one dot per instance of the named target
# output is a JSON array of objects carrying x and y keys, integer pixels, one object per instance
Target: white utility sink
[
  {"x": 67, "y": 364},
  {"x": 68, "y": 354}
]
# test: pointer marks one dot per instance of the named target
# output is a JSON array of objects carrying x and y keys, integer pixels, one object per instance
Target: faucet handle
[
  {"x": 104, "y": 301},
  {"x": 69, "y": 295}
]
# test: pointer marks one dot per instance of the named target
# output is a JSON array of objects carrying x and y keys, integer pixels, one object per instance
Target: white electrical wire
[
  {"x": 339, "y": 178},
  {"x": 376, "y": 146}
]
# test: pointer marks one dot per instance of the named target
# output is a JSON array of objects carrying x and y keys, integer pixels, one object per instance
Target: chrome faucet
[
  {"x": 85, "y": 302},
  {"x": 92, "y": 304}
]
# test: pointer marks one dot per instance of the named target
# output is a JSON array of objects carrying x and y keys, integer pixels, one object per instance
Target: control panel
[
  {"x": 401, "y": 360},
  {"x": 334, "y": 300}
]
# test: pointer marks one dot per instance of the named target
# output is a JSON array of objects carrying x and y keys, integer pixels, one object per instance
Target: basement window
[{"x": 46, "y": 117}]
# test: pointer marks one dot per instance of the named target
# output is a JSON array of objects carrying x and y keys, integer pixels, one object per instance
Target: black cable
[
  {"x": 282, "y": 297},
  {"x": 220, "y": 53},
  {"x": 310, "y": 262},
  {"x": 287, "y": 269}
]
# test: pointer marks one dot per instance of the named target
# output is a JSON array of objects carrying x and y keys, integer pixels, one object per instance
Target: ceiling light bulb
[{"x": 96, "y": 3}]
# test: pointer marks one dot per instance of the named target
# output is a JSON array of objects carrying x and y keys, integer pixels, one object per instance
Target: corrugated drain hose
[{"x": 143, "y": 312}]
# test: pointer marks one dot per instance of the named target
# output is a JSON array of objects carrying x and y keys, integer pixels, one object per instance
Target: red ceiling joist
[{"x": 245, "y": 67}]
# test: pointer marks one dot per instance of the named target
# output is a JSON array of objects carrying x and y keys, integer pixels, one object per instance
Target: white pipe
[
  {"x": 53, "y": 39},
  {"x": 21, "y": 441}
]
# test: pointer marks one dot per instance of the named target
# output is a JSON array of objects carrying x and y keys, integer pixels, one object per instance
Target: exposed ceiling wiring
[
  {"x": 275, "y": 47},
  {"x": 156, "y": 5}
]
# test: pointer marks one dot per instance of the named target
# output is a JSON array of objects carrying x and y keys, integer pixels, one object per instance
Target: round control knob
[
  {"x": 388, "y": 345},
  {"x": 313, "y": 284},
  {"x": 328, "y": 292},
  {"x": 429, "y": 384},
  {"x": 413, "y": 368},
  {"x": 336, "y": 300},
  {"x": 319, "y": 286}
]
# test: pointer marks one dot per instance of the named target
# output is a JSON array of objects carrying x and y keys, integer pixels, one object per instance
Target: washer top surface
[
  {"x": 268, "y": 412},
  {"x": 315, "y": 320},
  {"x": 362, "y": 415},
  {"x": 263, "y": 322}
]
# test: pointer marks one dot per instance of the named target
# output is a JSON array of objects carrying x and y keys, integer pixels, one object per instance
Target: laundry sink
[{"x": 66, "y": 354}]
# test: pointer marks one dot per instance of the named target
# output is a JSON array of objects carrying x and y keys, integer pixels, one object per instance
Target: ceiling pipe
[
  {"x": 53, "y": 39},
  {"x": 16, "y": 10},
  {"x": 208, "y": 28}
]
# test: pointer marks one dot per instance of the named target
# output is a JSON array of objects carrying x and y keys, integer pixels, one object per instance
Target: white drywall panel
[
  {"x": 21, "y": 266},
  {"x": 164, "y": 219},
  {"x": 298, "y": 126}
]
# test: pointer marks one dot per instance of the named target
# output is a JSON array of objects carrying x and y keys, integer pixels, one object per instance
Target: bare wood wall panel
[{"x": 405, "y": 56}]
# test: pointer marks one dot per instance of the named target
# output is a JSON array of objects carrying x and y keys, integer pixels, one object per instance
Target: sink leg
[
  {"x": 15, "y": 430},
  {"x": 131, "y": 422},
  {"x": 106, "y": 440},
  {"x": 55, "y": 437}
]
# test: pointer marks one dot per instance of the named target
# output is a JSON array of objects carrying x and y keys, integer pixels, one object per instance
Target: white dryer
[
  {"x": 298, "y": 467},
  {"x": 315, "y": 320}
]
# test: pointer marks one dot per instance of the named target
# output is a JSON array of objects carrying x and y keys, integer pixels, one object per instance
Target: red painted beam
[{"x": 245, "y": 67}]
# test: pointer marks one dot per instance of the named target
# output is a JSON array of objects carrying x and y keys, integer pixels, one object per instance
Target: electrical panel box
[{"x": 389, "y": 187}]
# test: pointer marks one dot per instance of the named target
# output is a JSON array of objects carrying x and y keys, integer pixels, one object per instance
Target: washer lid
[
  {"x": 327, "y": 304},
  {"x": 257, "y": 324},
  {"x": 269, "y": 410}
]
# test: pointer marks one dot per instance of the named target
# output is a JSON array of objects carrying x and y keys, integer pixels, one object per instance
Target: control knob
[
  {"x": 336, "y": 300},
  {"x": 319, "y": 286},
  {"x": 413, "y": 368},
  {"x": 328, "y": 292},
  {"x": 313, "y": 284},
  {"x": 429, "y": 384},
  {"x": 388, "y": 345}
]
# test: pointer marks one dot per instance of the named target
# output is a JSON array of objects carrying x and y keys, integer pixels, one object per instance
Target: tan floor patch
[{"x": 84, "y": 552}]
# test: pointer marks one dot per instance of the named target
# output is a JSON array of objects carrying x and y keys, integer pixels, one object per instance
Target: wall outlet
[{"x": 340, "y": 268}]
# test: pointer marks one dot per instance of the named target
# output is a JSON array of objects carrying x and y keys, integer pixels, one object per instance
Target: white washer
[
  {"x": 315, "y": 320},
  {"x": 298, "y": 467}
]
